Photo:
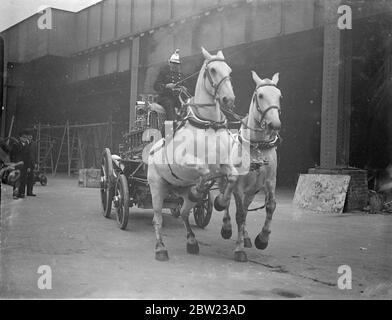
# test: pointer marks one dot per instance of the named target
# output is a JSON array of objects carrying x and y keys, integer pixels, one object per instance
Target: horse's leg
[
  {"x": 261, "y": 240},
  {"x": 158, "y": 189},
  {"x": 226, "y": 230},
  {"x": 192, "y": 246},
  {"x": 222, "y": 201},
  {"x": 239, "y": 252},
  {"x": 247, "y": 201}
]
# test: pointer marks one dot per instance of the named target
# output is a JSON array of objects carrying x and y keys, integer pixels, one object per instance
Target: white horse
[
  {"x": 259, "y": 135},
  {"x": 175, "y": 166}
]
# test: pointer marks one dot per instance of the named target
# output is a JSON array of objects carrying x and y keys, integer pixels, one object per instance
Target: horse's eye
[
  {"x": 213, "y": 71},
  {"x": 260, "y": 96}
]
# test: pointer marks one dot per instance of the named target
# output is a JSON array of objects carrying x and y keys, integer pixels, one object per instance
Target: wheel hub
[{"x": 116, "y": 201}]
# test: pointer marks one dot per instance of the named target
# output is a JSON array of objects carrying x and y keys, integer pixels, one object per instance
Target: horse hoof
[
  {"x": 240, "y": 256},
  {"x": 226, "y": 233},
  {"x": 192, "y": 248},
  {"x": 247, "y": 243},
  {"x": 217, "y": 206},
  {"x": 260, "y": 244},
  {"x": 162, "y": 255}
]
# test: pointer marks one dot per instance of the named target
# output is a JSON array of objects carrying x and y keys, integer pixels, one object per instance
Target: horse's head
[
  {"x": 266, "y": 99},
  {"x": 217, "y": 73}
]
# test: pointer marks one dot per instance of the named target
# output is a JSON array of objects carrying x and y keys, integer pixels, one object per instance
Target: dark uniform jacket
[
  {"x": 22, "y": 152},
  {"x": 168, "y": 98}
]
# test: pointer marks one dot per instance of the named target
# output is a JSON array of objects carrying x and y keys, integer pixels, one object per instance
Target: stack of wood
[{"x": 89, "y": 178}]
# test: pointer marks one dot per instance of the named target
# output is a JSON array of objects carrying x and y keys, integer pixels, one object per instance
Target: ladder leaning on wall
[{"x": 45, "y": 146}]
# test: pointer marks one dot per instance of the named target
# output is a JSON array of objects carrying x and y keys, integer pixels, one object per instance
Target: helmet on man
[{"x": 175, "y": 57}]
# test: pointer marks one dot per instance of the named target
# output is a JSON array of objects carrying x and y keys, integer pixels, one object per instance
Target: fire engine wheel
[
  {"x": 107, "y": 186},
  {"x": 121, "y": 201},
  {"x": 203, "y": 210}
]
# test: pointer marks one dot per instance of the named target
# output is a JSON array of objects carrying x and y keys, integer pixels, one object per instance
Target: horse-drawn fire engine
[{"x": 124, "y": 176}]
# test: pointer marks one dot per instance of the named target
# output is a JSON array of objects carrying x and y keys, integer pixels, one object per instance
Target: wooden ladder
[
  {"x": 63, "y": 155},
  {"x": 45, "y": 151},
  {"x": 76, "y": 154}
]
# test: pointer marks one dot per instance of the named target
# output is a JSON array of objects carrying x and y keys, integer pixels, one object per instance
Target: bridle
[
  {"x": 264, "y": 144},
  {"x": 264, "y": 113},
  {"x": 261, "y": 112},
  {"x": 215, "y": 86}
]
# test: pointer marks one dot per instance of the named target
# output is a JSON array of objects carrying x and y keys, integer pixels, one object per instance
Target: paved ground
[{"x": 91, "y": 258}]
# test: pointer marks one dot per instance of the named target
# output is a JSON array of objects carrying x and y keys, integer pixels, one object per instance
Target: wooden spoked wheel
[
  {"x": 121, "y": 201},
  {"x": 106, "y": 185},
  {"x": 202, "y": 212}
]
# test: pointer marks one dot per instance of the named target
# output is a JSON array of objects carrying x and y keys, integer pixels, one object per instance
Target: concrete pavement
[{"x": 90, "y": 257}]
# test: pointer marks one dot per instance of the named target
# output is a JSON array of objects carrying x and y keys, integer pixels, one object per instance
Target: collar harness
[{"x": 261, "y": 145}]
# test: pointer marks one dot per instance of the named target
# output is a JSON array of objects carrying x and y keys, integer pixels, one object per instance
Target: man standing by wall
[
  {"x": 31, "y": 146},
  {"x": 21, "y": 151}
]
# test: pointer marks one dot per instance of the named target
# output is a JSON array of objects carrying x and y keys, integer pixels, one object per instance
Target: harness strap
[
  {"x": 167, "y": 159},
  {"x": 212, "y": 124},
  {"x": 199, "y": 105},
  {"x": 171, "y": 171},
  {"x": 170, "y": 168},
  {"x": 215, "y": 59},
  {"x": 258, "y": 208},
  {"x": 266, "y": 85},
  {"x": 262, "y": 145}
]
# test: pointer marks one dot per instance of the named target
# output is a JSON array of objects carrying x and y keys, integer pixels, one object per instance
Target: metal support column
[
  {"x": 3, "y": 98},
  {"x": 336, "y": 104},
  {"x": 134, "y": 81},
  {"x": 344, "y": 112}
]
